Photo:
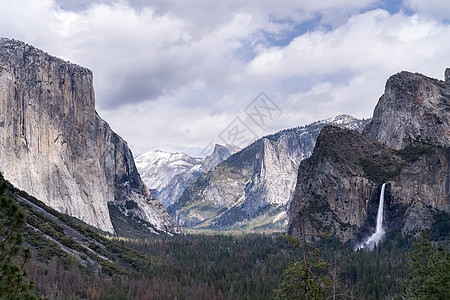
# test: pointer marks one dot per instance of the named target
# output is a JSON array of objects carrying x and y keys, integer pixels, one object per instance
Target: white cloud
[
  {"x": 439, "y": 9},
  {"x": 140, "y": 51},
  {"x": 182, "y": 70},
  {"x": 374, "y": 40},
  {"x": 367, "y": 49},
  {"x": 167, "y": 126}
]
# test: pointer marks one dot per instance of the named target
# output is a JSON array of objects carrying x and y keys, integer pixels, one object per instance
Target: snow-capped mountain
[
  {"x": 167, "y": 174},
  {"x": 253, "y": 188},
  {"x": 157, "y": 167}
]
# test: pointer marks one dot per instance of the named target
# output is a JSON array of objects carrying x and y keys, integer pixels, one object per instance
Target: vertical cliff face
[
  {"x": 252, "y": 188},
  {"x": 422, "y": 188},
  {"x": 339, "y": 182},
  {"x": 413, "y": 108},
  {"x": 406, "y": 145},
  {"x": 273, "y": 178},
  {"x": 339, "y": 186},
  {"x": 54, "y": 146}
]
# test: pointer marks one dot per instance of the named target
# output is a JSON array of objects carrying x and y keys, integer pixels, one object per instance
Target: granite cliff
[
  {"x": 54, "y": 146},
  {"x": 413, "y": 108},
  {"x": 252, "y": 188},
  {"x": 405, "y": 145}
]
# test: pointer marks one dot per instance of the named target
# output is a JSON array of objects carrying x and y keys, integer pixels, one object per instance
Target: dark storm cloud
[
  {"x": 140, "y": 86},
  {"x": 130, "y": 91}
]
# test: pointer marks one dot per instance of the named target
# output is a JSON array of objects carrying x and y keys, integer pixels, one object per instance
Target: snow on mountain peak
[{"x": 167, "y": 174}]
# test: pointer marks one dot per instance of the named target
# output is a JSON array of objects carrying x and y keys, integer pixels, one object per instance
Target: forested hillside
[{"x": 72, "y": 261}]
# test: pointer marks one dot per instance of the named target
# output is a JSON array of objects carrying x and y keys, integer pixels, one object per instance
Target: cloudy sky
[{"x": 177, "y": 75}]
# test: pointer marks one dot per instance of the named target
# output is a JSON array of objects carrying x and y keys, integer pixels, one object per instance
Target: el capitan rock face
[
  {"x": 54, "y": 146},
  {"x": 406, "y": 145}
]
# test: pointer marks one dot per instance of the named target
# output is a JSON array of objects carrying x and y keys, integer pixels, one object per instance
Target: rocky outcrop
[
  {"x": 220, "y": 153},
  {"x": 273, "y": 178},
  {"x": 338, "y": 182},
  {"x": 253, "y": 187},
  {"x": 406, "y": 145},
  {"x": 422, "y": 188},
  {"x": 339, "y": 186},
  {"x": 167, "y": 175},
  {"x": 413, "y": 108},
  {"x": 55, "y": 147}
]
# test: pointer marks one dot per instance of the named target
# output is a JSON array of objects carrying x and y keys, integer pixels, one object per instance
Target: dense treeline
[
  {"x": 226, "y": 267},
  {"x": 376, "y": 274},
  {"x": 183, "y": 267},
  {"x": 71, "y": 261},
  {"x": 231, "y": 267}
]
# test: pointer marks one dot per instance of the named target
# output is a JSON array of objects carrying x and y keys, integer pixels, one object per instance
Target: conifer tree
[
  {"x": 307, "y": 277},
  {"x": 12, "y": 256},
  {"x": 430, "y": 271}
]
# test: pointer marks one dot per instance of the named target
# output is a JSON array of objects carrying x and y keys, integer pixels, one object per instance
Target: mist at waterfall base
[{"x": 379, "y": 231}]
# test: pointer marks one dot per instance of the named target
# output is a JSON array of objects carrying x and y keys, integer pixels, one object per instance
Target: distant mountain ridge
[
  {"x": 158, "y": 168},
  {"x": 54, "y": 145},
  {"x": 167, "y": 174},
  {"x": 252, "y": 188}
]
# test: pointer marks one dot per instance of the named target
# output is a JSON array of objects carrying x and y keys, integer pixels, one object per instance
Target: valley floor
[
  {"x": 73, "y": 261},
  {"x": 245, "y": 266}
]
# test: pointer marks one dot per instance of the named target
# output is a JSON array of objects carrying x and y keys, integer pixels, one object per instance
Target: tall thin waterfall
[{"x": 379, "y": 231}]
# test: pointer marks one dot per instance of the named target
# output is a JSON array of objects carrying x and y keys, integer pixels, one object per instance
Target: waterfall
[{"x": 379, "y": 231}]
